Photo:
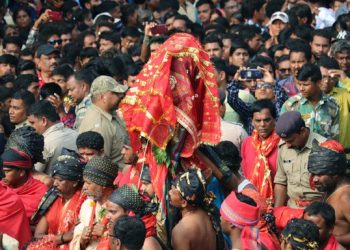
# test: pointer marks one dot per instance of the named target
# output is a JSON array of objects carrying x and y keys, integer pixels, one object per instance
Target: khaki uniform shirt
[
  {"x": 112, "y": 129},
  {"x": 292, "y": 171}
]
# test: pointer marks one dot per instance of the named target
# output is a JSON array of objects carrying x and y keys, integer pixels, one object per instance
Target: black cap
[
  {"x": 46, "y": 49},
  {"x": 289, "y": 123}
]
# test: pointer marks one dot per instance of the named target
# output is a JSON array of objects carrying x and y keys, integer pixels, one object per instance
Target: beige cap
[{"x": 103, "y": 84}]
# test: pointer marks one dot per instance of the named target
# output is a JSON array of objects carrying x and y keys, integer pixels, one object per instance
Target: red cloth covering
[
  {"x": 332, "y": 243},
  {"x": 31, "y": 193},
  {"x": 285, "y": 214},
  {"x": 333, "y": 145},
  {"x": 13, "y": 219},
  {"x": 269, "y": 240},
  {"x": 176, "y": 86},
  {"x": 250, "y": 238},
  {"x": 259, "y": 162}
]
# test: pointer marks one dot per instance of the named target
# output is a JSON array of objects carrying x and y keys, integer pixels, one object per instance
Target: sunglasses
[
  {"x": 264, "y": 86},
  {"x": 53, "y": 42}
]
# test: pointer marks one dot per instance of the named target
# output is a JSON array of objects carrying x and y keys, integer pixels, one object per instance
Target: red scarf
[
  {"x": 31, "y": 193},
  {"x": 261, "y": 176},
  {"x": 61, "y": 220},
  {"x": 284, "y": 214},
  {"x": 13, "y": 220},
  {"x": 332, "y": 243}
]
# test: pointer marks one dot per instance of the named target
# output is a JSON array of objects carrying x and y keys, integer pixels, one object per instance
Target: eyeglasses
[
  {"x": 53, "y": 42},
  {"x": 264, "y": 86}
]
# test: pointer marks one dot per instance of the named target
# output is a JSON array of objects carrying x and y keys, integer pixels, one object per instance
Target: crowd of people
[{"x": 174, "y": 124}]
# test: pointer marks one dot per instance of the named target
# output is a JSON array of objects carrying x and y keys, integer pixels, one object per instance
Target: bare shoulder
[{"x": 179, "y": 237}]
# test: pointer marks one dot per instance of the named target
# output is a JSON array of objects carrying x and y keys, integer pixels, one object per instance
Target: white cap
[{"x": 279, "y": 15}]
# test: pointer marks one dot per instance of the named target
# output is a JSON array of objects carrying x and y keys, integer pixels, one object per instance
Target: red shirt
[{"x": 249, "y": 154}]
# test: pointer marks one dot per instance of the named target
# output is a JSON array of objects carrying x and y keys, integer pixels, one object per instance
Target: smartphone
[
  {"x": 159, "y": 29},
  {"x": 251, "y": 74},
  {"x": 55, "y": 15}
]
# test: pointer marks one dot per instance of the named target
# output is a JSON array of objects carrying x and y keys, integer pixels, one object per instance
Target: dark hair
[
  {"x": 202, "y": 2},
  {"x": 229, "y": 155},
  {"x": 43, "y": 108},
  {"x": 303, "y": 32},
  {"x": 300, "y": 229},
  {"x": 110, "y": 36},
  {"x": 27, "y": 52},
  {"x": 5, "y": 93},
  {"x": 88, "y": 53},
  {"x": 246, "y": 199},
  {"x": 7, "y": 78},
  {"x": 8, "y": 59},
  {"x": 85, "y": 75},
  {"x": 127, "y": 10},
  {"x": 300, "y": 11},
  {"x": 15, "y": 13},
  {"x": 219, "y": 64},
  {"x": 90, "y": 139},
  {"x": 185, "y": 19},
  {"x": 157, "y": 39},
  {"x": 134, "y": 50},
  {"x": 25, "y": 65},
  {"x": 47, "y": 30},
  {"x": 130, "y": 231},
  {"x": 26, "y": 96},
  {"x": 101, "y": 23},
  {"x": 249, "y": 7},
  {"x": 213, "y": 39},
  {"x": 323, "y": 209},
  {"x": 311, "y": 71},
  {"x": 50, "y": 88},
  {"x": 297, "y": 46},
  {"x": 259, "y": 105},
  {"x": 12, "y": 39},
  {"x": 249, "y": 32},
  {"x": 130, "y": 31},
  {"x": 327, "y": 62},
  {"x": 322, "y": 33},
  {"x": 263, "y": 60},
  {"x": 24, "y": 81},
  {"x": 281, "y": 59},
  {"x": 81, "y": 37},
  {"x": 273, "y": 6},
  {"x": 238, "y": 44},
  {"x": 63, "y": 70},
  {"x": 132, "y": 69}
]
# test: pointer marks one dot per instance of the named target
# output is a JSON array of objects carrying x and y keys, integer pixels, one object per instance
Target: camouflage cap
[{"x": 103, "y": 84}]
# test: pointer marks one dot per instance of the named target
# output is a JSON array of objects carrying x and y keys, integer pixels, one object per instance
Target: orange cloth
[
  {"x": 60, "y": 219},
  {"x": 261, "y": 176},
  {"x": 332, "y": 243},
  {"x": 285, "y": 214},
  {"x": 13, "y": 219}
]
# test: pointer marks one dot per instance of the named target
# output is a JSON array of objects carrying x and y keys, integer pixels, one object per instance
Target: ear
[
  {"x": 222, "y": 75},
  {"x": 45, "y": 121},
  {"x": 184, "y": 203}
]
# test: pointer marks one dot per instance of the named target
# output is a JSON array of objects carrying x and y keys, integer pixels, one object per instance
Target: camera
[{"x": 251, "y": 74}]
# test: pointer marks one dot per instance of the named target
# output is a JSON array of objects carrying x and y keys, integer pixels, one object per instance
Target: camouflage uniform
[{"x": 322, "y": 119}]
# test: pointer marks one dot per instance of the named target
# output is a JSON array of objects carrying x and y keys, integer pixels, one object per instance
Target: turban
[
  {"x": 192, "y": 187},
  {"x": 68, "y": 168},
  {"x": 128, "y": 198},
  {"x": 145, "y": 174},
  {"x": 327, "y": 158},
  {"x": 239, "y": 213},
  {"x": 12, "y": 157},
  {"x": 101, "y": 171},
  {"x": 26, "y": 140}
]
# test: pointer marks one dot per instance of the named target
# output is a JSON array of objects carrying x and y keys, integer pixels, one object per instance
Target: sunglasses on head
[{"x": 53, "y": 42}]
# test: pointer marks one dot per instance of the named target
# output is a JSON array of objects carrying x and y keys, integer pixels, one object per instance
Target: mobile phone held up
[
  {"x": 251, "y": 74},
  {"x": 159, "y": 29},
  {"x": 55, "y": 15}
]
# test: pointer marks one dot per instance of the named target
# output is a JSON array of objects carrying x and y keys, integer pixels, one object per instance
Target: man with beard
[
  {"x": 106, "y": 94},
  {"x": 99, "y": 175},
  {"x": 55, "y": 228},
  {"x": 125, "y": 200},
  {"x": 327, "y": 165},
  {"x": 196, "y": 229}
]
